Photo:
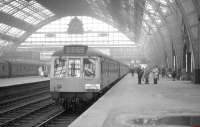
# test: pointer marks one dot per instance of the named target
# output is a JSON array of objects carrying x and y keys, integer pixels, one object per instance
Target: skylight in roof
[
  {"x": 11, "y": 31},
  {"x": 31, "y": 12},
  {"x": 100, "y": 9},
  {"x": 149, "y": 7},
  {"x": 152, "y": 16},
  {"x": 164, "y": 2},
  {"x": 146, "y": 27}
]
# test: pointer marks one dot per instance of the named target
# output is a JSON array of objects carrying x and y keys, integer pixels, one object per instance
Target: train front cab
[{"x": 75, "y": 76}]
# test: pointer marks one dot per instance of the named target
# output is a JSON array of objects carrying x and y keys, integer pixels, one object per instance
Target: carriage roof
[{"x": 89, "y": 52}]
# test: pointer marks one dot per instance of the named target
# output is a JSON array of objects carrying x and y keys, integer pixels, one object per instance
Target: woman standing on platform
[{"x": 155, "y": 75}]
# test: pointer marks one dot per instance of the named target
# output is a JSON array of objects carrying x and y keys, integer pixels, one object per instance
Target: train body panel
[
  {"x": 109, "y": 72},
  {"x": 25, "y": 69},
  {"x": 71, "y": 85}
]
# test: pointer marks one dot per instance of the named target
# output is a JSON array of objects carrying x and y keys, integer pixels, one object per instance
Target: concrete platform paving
[
  {"x": 21, "y": 80},
  {"x": 127, "y": 101}
]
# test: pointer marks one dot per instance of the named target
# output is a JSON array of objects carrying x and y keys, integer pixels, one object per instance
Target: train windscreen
[
  {"x": 60, "y": 67},
  {"x": 74, "y": 67},
  {"x": 71, "y": 67}
]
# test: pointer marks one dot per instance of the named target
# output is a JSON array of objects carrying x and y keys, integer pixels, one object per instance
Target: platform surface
[
  {"x": 21, "y": 80},
  {"x": 128, "y": 100}
]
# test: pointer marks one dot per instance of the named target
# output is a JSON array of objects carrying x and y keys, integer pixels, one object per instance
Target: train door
[
  {"x": 103, "y": 72},
  {"x": 9, "y": 69},
  {"x": 118, "y": 69},
  {"x": 90, "y": 68}
]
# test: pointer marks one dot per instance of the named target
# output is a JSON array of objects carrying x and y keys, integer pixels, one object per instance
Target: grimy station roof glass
[
  {"x": 96, "y": 33},
  {"x": 30, "y": 12}
]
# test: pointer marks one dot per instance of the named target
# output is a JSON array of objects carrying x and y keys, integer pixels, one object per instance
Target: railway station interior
[{"x": 46, "y": 47}]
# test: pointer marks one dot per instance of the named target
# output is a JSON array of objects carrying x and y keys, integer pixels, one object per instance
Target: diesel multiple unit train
[{"x": 79, "y": 73}]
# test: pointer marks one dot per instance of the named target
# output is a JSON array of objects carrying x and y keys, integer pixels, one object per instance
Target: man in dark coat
[{"x": 140, "y": 74}]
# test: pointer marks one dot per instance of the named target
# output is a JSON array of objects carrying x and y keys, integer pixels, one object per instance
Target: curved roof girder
[
  {"x": 12, "y": 21},
  {"x": 27, "y": 34},
  {"x": 171, "y": 6},
  {"x": 9, "y": 38},
  {"x": 138, "y": 16},
  {"x": 163, "y": 20},
  {"x": 197, "y": 8},
  {"x": 151, "y": 17}
]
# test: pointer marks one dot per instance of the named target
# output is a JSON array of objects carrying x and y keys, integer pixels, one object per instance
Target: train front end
[{"x": 75, "y": 76}]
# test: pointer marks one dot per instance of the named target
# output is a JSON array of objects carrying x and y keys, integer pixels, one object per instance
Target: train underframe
[
  {"x": 75, "y": 101},
  {"x": 79, "y": 101}
]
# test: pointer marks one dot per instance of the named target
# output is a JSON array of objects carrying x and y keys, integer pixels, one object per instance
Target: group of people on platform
[{"x": 144, "y": 73}]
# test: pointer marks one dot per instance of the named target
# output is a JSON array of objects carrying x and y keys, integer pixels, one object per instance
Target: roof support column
[
  {"x": 197, "y": 45},
  {"x": 194, "y": 42}
]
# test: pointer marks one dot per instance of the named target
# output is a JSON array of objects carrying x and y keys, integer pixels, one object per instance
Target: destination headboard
[{"x": 75, "y": 49}]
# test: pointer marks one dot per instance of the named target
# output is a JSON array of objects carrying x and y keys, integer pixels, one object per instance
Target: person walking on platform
[
  {"x": 140, "y": 74},
  {"x": 146, "y": 75},
  {"x": 173, "y": 75},
  {"x": 155, "y": 75},
  {"x": 132, "y": 72}
]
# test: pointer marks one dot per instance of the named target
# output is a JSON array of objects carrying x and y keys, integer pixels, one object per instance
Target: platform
[
  {"x": 127, "y": 101},
  {"x": 21, "y": 80}
]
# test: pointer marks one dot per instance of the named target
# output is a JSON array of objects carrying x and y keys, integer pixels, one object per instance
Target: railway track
[
  {"x": 13, "y": 115},
  {"x": 29, "y": 105},
  {"x": 35, "y": 117},
  {"x": 61, "y": 119},
  {"x": 6, "y": 107},
  {"x": 33, "y": 108},
  {"x": 16, "y": 91}
]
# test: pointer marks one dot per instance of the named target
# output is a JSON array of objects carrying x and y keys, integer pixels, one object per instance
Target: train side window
[
  {"x": 89, "y": 65},
  {"x": 3, "y": 68}
]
